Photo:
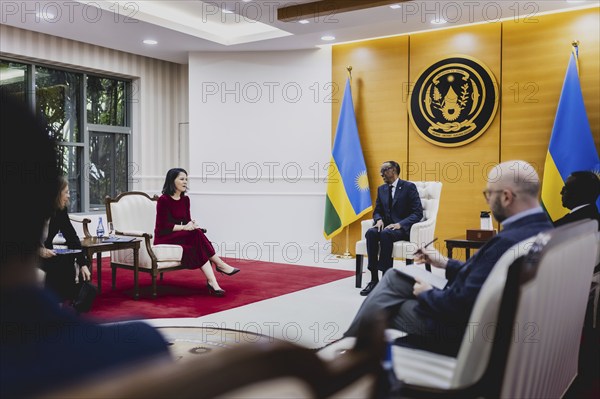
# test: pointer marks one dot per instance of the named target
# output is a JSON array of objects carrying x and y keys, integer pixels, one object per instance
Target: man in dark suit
[
  {"x": 441, "y": 315},
  {"x": 579, "y": 194},
  {"x": 397, "y": 208}
]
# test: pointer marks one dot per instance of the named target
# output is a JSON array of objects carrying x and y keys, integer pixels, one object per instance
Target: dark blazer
[
  {"x": 449, "y": 309},
  {"x": 60, "y": 221},
  {"x": 587, "y": 212},
  {"x": 51, "y": 346},
  {"x": 406, "y": 206}
]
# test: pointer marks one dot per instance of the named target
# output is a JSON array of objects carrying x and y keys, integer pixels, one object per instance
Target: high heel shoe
[
  {"x": 231, "y": 273},
  {"x": 212, "y": 291}
]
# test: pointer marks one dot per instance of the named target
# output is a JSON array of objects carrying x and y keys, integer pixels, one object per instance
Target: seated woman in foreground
[
  {"x": 174, "y": 225},
  {"x": 63, "y": 270}
]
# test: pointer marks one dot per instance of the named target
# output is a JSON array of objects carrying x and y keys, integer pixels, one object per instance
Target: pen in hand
[{"x": 420, "y": 250}]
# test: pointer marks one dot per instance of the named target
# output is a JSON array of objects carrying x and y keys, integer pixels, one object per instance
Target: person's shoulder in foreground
[{"x": 42, "y": 346}]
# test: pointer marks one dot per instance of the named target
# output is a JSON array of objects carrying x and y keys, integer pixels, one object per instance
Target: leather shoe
[
  {"x": 212, "y": 291},
  {"x": 231, "y": 273},
  {"x": 368, "y": 289}
]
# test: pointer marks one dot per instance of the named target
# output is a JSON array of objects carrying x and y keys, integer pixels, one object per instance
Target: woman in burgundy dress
[{"x": 174, "y": 225}]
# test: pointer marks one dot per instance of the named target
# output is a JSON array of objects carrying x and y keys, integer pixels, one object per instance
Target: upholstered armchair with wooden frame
[
  {"x": 133, "y": 214},
  {"x": 420, "y": 233}
]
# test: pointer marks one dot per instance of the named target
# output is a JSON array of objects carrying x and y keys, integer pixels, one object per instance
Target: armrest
[
  {"x": 133, "y": 233},
  {"x": 364, "y": 226},
  {"x": 422, "y": 232},
  {"x": 85, "y": 221}
]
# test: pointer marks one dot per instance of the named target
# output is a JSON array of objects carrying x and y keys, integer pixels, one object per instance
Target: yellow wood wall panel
[
  {"x": 462, "y": 170},
  {"x": 528, "y": 60},
  {"x": 535, "y": 59},
  {"x": 380, "y": 70}
]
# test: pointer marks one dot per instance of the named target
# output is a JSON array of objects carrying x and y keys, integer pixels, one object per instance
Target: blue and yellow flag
[
  {"x": 571, "y": 146},
  {"x": 348, "y": 196}
]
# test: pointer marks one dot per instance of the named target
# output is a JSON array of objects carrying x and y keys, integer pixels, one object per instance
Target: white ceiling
[{"x": 181, "y": 27}]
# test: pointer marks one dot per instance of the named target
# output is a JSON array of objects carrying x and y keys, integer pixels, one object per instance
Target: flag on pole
[
  {"x": 348, "y": 196},
  {"x": 571, "y": 145}
]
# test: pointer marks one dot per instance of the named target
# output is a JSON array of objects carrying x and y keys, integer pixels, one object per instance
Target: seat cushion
[
  {"x": 168, "y": 252},
  {"x": 420, "y": 367}
]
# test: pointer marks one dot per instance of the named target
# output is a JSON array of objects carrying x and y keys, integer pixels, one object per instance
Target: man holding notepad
[{"x": 436, "y": 315}]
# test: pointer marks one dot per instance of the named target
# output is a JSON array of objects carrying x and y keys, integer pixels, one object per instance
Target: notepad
[
  {"x": 65, "y": 251},
  {"x": 423, "y": 275},
  {"x": 118, "y": 239}
]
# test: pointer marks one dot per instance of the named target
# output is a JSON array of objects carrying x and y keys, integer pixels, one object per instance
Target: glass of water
[{"x": 111, "y": 230}]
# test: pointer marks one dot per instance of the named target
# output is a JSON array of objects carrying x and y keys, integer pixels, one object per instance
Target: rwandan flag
[
  {"x": 571, "y": 146},
  {"x": 348, "y": 196}
]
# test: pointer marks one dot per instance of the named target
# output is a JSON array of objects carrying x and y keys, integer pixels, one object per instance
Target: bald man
[{"x": 437, "y": 318}]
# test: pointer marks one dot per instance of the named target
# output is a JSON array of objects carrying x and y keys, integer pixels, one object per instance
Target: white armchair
[
  {"x": 420, "y": 234},
  {"x": 134, "y": 214}
]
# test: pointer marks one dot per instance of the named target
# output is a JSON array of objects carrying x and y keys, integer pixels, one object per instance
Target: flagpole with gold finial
[
  {"x": 347, "y": 254},
  {"x": 575, "y": 50}
]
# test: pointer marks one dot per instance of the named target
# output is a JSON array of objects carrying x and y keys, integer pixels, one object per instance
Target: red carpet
[{"x": 183, "y": 293}]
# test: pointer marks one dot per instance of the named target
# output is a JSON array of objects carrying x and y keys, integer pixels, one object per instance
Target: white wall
[{"x": 260, "y": 137}]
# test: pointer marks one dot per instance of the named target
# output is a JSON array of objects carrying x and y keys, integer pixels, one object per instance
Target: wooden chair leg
[
  {"x": 359, "y": 270},
  {"x": 114, "y": 275},
  {"x": 153, "y": 285}
]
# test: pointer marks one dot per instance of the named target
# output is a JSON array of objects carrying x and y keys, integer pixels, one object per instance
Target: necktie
[{"x": 390, "y": 199}]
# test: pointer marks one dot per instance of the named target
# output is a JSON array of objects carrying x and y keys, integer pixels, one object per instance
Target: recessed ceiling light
[
  {"x": 226, "y": 11},
  {"x": 45, "y": 15},
  {"x": 150, "y": 41},
  {"x": 395, "y": 6},
  {"x": 439, "y": 21},
  {"x": 304, "y": 21},
  {"x": 327, "y": 38}
]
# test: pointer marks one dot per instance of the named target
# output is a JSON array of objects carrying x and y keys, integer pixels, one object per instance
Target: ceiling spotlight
[
  {"x": 327, "y": 38},
  {"x": 45, "y": 15},
  {"x": 438, "y": 21},
  {"x": 150, "y": 41},
  {"x": 304, "y": 21},
  {"x": 395, "y": 6}
]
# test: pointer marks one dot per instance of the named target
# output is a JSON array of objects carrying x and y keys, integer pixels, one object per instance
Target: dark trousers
[
  {"x": 380, "y": 246},
  {"x": 393, "y": 295},
  {"x": 60, "y": 276}
]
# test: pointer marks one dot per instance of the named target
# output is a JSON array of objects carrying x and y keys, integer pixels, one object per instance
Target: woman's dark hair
[
  {"x": 30, "y": 165},
  {"x": 62, "y": 183},
  {"x": 169, "y": 186}
]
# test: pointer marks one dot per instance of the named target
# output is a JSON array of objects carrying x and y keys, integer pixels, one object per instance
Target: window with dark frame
[{"x": 89, "y": 116}]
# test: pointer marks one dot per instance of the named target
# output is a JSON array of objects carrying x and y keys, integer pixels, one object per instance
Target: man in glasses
[
  {"x": 397, "y": 208},
  {"x": 579, "y": 194},
  {"x": 437, "y": 318}
]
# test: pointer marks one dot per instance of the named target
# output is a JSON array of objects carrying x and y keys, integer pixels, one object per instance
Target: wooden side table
[
  {"x": 462, "y": 242},
  {"x": 94, "y": 245}
]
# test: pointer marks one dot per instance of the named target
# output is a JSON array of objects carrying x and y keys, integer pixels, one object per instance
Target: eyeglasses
[{"x": 488, "y": 193}]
